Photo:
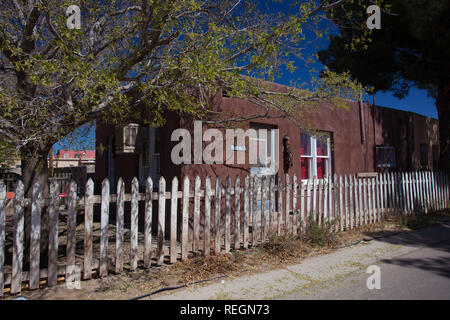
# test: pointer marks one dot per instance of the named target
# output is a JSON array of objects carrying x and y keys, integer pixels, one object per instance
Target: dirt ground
[{"x": 131, "y": 284}]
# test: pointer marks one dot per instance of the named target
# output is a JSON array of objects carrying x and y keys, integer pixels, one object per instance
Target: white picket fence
[{"x": 348, "y": 201}]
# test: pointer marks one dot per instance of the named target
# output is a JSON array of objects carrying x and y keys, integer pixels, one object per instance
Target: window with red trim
[{"x": 315, "y": 154}]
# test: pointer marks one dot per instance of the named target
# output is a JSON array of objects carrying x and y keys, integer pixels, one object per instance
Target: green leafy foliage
[{"x": 147, "y": 57}]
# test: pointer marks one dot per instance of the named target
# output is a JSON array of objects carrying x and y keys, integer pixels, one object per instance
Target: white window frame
[
  {"x": 272, "y": 169},
  {"x": 313, "y": 157}
]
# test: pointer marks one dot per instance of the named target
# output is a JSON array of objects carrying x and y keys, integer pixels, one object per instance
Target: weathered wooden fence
[{"x": 253, "y": 208}]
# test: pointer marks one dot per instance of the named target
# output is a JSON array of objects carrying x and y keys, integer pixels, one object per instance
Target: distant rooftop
[{"x": 78, "y": 154}]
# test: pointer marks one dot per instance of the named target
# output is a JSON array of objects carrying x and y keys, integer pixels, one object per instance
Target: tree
[
  {"x": 160, "y": 54},
  {"x": 166, "y": 55},
  {"x": 412, "y": 48}
]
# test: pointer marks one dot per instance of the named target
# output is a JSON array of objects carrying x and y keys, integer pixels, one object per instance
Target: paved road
[
  {"x": 421, "y": 274},
  {"x": 413, "y": 266}
]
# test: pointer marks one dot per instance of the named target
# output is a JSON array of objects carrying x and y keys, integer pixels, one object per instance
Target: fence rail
[{"x": 206, "y": 220}]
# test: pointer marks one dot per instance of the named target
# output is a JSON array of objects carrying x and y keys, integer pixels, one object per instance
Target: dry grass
[
  {"x": 200, "y": 267},
  {"x": 283, "y": 248}
]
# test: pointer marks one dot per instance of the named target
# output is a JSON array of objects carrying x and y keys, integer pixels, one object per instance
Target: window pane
[
  {"x": 385, "y": 157},
  {"x": 321, "y": 146},
  {"x": 321, "y": 168},
  {"x": 305, "y": 144},
  {"x": 305, "y": 168}
]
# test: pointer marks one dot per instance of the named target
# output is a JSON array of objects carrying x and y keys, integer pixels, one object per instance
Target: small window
[
  {"x": 266, "y": 144},
  {"x": 385, "y": 157},
  {"x": 315, "y": 153},
  {"x": 424, "y": 156}
]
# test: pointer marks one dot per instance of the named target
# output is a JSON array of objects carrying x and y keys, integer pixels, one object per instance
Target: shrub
[{"x": 320, "y": 235}]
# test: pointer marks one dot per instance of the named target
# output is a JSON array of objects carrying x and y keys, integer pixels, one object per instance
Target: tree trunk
[
  {"x": 35, "y": 168},
  {"x": 443, "y": 108}
]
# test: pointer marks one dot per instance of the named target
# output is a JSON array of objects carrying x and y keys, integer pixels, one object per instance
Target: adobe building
[{"x": 362, "y": 138}]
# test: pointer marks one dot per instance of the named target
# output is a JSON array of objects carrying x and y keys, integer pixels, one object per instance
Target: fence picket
[
  {"x": 148, "y": 217},
  {"x": 280, "y": 205},
  {"x": 272, "y": 218},
  {"x": 173, "y": 220},
  {"x": 341, "y": 203},
  {"x": 88, "y": 222},
  {"x": 405, "y": 192},
  {"x": 294, "y": 204},
  {"x": 436, "y": 188},
  {"x": 119, "y": 225},
  {"x": 264, "y": 191},
  {"x": 227, "y": 213},
  {"x": 439, "y": 190},
  {"x": 254, "y": 209},
  {"x": 35, "y": 235},
  {"x": 420, "y": 196},
  {"x": 365, "y": 210},
  {"x": 185, "y": 220},
  {"x": 370, "y": 200},
  {"x": 104, "y": 229},
  {"x": 374, "y": 201},
  {"x": 161, "y": 220},
  {"x": 134, "y": 224},
  {"x": 389, "y": 192},
  {"x": 218, "y": 198},
  {"x": 429, "y": 190},
  {"x": 319, "y": 200},
  {"x": 346, "y": 207},
  {"x": 2, "y": 234},
  {"x": 196, "y": 221},
  {"x": 302, "y": 206},
  {"x": 325, "y": 200},
  {"x": 351, "y": 193},
  {"x": 207, "y": 235},
  {"x": 330, "y": 191},
  {"x": 287, "y": 219},
  {"x": 413, "y": 192},
  {"x": 336, "y": 201},
  {"x": 357, "y": 199},
  {"x": 246, "y": 210},
  {"x": 385, "y": 194},
  {"x": 18, "y": 236},
  {"x": 71, "y": 271},
  {"x": 447, "y": 191},
  {"x": 237, "y": 213},
  {"x": 308, "y": 200},
  {"x": 314, "y": 199}
]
